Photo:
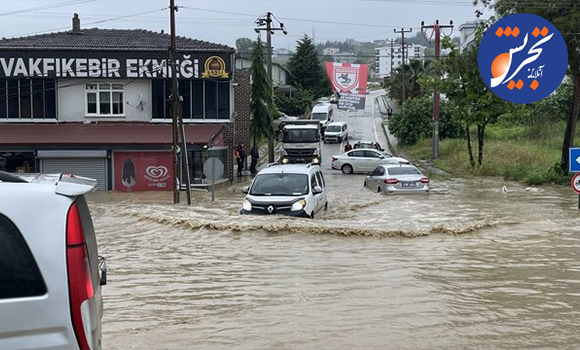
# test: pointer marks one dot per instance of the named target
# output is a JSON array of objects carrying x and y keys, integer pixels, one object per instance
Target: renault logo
[{"x": 270, "y": 209}]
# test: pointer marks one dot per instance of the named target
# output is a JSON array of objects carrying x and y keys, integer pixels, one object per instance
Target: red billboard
[
  {"x": 143, "y": 171},
  {"x": 349, "y": 81}
]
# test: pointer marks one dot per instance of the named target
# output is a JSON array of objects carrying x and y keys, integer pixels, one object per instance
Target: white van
[
  {"x": 288, "y": 189},
  {"x": 336, "y": 132},
  {"x": 323, "y": 113}
]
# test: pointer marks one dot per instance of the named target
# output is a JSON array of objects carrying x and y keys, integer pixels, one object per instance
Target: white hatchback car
[
  {"x": 364, "y": 160},
  {"x": 50, "y": 271},
  {"x": 336, "y": 132},
  {"x": 289, "y": 189}
]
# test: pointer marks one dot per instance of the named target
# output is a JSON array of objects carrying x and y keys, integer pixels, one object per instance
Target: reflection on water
[{"x": 483, "y": 270}]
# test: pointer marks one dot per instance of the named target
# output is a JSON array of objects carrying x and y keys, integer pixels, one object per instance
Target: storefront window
[
  {"x": 18, "y": 162},
  {"x": 197, "y": 160},
  {"x": 201, "y": 100},
  {"x": 27, "y": 99}
]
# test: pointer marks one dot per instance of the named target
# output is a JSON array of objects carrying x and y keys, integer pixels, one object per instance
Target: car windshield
[
  {"x": 301, "y": 135},
  {"x": 404, "y": 170},
  {"x": 280, "y": 185},
  {"x": 319, "y": 116},
  {"x": 333, "y": 128},
  {"x": 363, "y": 145}
]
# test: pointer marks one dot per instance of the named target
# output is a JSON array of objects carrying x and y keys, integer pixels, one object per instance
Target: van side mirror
[
  {"x": 317, "y": 190},
  {"x": 245, "y": 189}
]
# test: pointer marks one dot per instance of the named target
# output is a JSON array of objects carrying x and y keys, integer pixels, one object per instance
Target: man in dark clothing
[
  {"x": 240, "y": 157},
  {"x": 254, "y": 154},
  {"x": 347, "y": 146}
]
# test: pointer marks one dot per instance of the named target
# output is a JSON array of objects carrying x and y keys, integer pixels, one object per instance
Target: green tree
[
  {"x": 566, "y": 17},
  {"x": 306, "y": 69},
  {"x": 261, "y": 100},
  {"x": 244, "y": 45}
]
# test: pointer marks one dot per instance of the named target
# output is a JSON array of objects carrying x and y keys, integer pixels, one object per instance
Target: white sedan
[{"x": 364, "y": 160}]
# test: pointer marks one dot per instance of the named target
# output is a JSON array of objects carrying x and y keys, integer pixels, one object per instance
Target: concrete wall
[{"x": 72, "y": 100}]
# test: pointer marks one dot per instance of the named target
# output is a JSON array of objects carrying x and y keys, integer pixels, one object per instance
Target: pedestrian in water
[
  {"x": 254, "y": 154},
  {"x": 347, "y": 146},
  {"x": 240, "y": 156}
]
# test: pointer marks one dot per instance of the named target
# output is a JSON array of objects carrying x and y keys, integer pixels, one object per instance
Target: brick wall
[{"x": 239, "y": 130}]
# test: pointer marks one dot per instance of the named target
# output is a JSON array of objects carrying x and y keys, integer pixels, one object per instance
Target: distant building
[
  {"x": 282, "y": 52},
  {"x": 280, "y": 74},
  {"x": 387, "y": 58},
  {"x": 467, "y": 34},
  {"x": 345, "y": 57},
  {"x": 330, "y": 51}
]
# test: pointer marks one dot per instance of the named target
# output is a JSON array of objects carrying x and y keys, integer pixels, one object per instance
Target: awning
[{"x": 102, "y": 134}]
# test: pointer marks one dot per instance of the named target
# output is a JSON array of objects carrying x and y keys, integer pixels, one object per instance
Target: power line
[{"x": 45, "y": 7}]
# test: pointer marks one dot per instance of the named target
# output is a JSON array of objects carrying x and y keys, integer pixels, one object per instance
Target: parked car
[
  {"x": 289, "y": 189},
  {"x": 336, "y": 132},
  {"x": 364, "y": 160},
  {"x": 393, "y": 178},
  {"x": 368, "y": 145},
  {"x": 51, "y": 274}
]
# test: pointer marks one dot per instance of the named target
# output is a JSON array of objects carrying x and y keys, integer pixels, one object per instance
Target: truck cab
[{"x": 300, "y": 142}]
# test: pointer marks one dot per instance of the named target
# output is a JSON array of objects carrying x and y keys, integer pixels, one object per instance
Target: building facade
[
  {"x": 96, "y": 103},
  {"x": 467, "y": 34},
  {"x": 390, "y": 58}
]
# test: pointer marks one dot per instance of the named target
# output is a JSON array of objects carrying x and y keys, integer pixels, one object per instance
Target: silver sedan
[
  {"x": 401, "y": 178},
  {"x": 363, "y": 160}
]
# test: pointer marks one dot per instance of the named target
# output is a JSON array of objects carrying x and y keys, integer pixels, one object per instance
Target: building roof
[
  {"x": 96, "y": 39},
  {"x": 102, "y": 134}
]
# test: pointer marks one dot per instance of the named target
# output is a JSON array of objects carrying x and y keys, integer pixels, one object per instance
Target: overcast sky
[{"x": 363, "y": 20}]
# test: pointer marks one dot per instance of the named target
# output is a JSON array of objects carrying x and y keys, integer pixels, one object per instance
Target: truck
[{"x": 300, "y": 141}]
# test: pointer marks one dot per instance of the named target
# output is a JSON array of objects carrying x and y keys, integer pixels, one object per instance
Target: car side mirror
[
  {"x": 382, "y": 157},
  {"x": 103, "y": 271},
  {"x": 317, "y": 190},
  {"x": 245, "y": 189}
]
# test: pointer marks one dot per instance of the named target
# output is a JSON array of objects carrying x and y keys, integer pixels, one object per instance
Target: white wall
[{"x": 72, "y": 100}]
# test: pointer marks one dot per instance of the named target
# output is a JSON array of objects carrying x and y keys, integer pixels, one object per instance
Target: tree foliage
[
  {"x": 244, "y": 45},
  {"x": 414, "y": 72},
  {"x": 414, "y": 121},
  {"x": 261, "y": 101},
  {"x": 306, "y": 70},
  {"x": 296, "y": 105}
]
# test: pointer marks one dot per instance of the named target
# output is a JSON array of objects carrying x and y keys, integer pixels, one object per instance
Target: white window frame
[{"x": 98, "y": 91}]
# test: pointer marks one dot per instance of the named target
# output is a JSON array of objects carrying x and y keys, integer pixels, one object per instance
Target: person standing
[
  {"x": 347, "y": 146},
  {"x": 240, "y": 156},
  {"x": 254, "y": 154}
]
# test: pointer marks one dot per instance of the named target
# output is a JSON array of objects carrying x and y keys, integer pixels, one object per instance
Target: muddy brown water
[{"x": 464, "y": 267}]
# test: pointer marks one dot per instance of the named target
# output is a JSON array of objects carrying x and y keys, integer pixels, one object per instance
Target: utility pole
[
  {"x": 177, "y": 121},
  {"x": 267, "y": 21},
  {"x": 402, "y": 32},
  {"x": 437, "y": 32}
]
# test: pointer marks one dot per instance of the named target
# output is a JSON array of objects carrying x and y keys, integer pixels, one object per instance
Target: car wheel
[
  {"x": 379, "y": 190},
  {"x": 365, "y": 183},
  {"x": 347, "y": 169}
]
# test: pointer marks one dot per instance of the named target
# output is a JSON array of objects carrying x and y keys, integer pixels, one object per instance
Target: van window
[
  {"x": 319, "y": 179},
  {"x": 313, "y": 182},
  {"x": 19, "y": 274},
  {"x": 319, "y": 116}
]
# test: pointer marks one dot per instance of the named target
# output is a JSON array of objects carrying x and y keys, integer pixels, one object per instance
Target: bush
[{"x": 414, "y": 121}]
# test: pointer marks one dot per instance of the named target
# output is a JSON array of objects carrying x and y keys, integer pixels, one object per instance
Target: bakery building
[{"x": 96, "y": 102}]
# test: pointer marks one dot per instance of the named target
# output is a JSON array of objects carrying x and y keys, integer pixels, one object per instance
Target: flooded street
[{"x": 463, "y": 267}]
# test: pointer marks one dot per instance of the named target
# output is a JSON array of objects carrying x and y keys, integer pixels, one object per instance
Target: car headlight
[
  {"x": 298, "y": 205},
  {"x": 246, "y": 205},
  {"x": 315, "y": 160},
  {"x": 285, "y": 160}
]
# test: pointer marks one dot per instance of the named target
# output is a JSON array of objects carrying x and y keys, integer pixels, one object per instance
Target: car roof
[
  {"x": 288, "y": 169},
  {"x": 336, "y": 123},
  {"x": 322, "y": 107},
  {"x": 301, "y": 126},
  {"x": 399, "y": 165}
]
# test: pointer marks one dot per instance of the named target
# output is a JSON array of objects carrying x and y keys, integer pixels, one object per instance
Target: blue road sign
[{"x": 574, "y": 160}]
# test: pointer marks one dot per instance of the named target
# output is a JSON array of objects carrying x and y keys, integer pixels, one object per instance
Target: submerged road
[{"x": 463, "y": 267}]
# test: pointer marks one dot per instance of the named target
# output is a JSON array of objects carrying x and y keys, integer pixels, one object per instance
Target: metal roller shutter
[{"x": 95, "y": 168}]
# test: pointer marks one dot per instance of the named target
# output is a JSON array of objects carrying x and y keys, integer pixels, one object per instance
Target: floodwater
[{"x": 465, "y": 267}]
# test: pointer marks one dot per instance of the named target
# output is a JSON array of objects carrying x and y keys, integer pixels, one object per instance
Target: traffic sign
[
  {"x": 574, "y": 164},
  {"x": 576, "y": 183},
  {"x": 213, "y": 168}
]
